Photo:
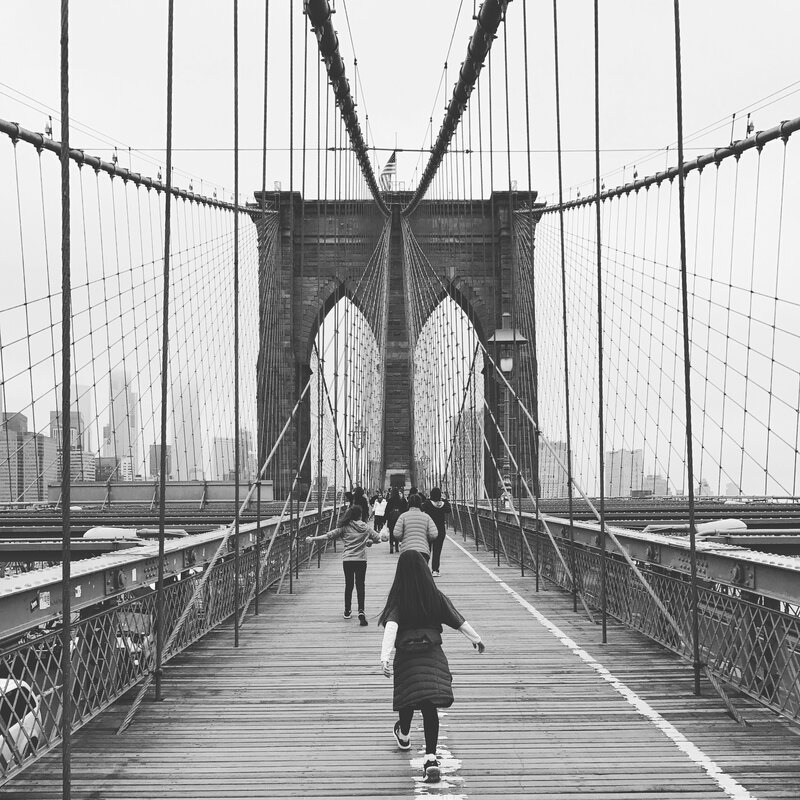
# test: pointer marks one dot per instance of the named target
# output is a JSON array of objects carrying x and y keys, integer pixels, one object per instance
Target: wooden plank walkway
[{"x": 302, "y": 710}]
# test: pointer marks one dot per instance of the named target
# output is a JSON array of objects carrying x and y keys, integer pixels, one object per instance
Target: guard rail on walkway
[
  {"x": 114, "y": 622},
  {"x": 748, "y": 607}
]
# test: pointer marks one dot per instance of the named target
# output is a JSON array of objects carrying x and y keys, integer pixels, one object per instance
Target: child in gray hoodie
[{"x": 357, "y": 536}]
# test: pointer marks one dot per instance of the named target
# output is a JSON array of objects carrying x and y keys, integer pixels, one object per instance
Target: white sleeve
[
  {"x": 470, "y": 632},
  {"x": 389, "y": 635}
]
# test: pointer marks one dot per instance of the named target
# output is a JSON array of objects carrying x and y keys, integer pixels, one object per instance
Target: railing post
[
  {"x": 258, "y": 545},
  {"x": 291, "y": 538},
  {"x": 521, "y": 535},
  {"x": 297, "y": 541}
]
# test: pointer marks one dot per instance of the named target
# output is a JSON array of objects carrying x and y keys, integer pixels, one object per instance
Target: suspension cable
[
  {"x": 162, "y": 477},
  {"x": 66, "y": 405}
]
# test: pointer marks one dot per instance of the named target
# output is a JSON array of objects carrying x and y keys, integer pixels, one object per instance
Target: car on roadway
[{"x": 21, "y": 728}]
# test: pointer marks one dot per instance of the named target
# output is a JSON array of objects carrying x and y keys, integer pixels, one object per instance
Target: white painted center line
[{"x": 730, "y": 786}]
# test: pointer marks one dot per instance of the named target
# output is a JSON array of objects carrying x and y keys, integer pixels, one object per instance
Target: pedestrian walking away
[
  {"x": 395, "y": 506},
  {"x": 415, "y": 530},
  {"x": 357, "y": 536},
  {"x": 359, "y": 499},
  {"x": 379, "y": 509},
  {"x": 436, "y": 508},
  {"x": 413, "y": 617}
]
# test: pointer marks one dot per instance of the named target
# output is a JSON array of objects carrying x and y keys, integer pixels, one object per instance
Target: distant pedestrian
[
  {"x": 379, "y": 509},
  {"x": 436, "y": 508},
  {"x": 395, "y": 506},
  {"x": 357, "y": 537},
  {"x": 359, "y": 499},
  {"x": 413, "y": 617},
  {"x": 414, "y": 491},
  {"x": 415, "y": 530}
]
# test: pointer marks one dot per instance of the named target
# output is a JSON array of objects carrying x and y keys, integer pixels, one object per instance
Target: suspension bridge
[{"x": 602, "y": 377}]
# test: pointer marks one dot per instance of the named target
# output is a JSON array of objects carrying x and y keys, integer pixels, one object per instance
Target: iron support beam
[{"x": 492, "y": 12}]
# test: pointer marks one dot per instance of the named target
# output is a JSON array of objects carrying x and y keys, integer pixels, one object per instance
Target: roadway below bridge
[{"x": 301, "y": 709}]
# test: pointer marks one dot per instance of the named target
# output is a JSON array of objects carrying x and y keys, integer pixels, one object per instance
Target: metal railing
[
  {"x": 113, "y": 641},
  {"x": 749, "y": 609}
]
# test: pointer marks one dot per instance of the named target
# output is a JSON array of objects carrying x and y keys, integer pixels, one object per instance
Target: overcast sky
[{"x": 735, "y": 54}]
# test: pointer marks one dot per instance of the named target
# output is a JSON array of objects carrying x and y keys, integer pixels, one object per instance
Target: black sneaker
[
  {"x": 403, "y": 742},
  {"x": 362, "y": 619},
  {"x": 347, "y": 615},
  {"x": 430, "y": 770}
]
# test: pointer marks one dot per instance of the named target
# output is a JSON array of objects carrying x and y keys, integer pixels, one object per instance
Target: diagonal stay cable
[{"x": 210, "y": 568}]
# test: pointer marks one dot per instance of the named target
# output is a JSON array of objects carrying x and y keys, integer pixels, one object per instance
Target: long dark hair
[
  {"x": 413, "y": 594},
  {"x": 353, "y": 514}
]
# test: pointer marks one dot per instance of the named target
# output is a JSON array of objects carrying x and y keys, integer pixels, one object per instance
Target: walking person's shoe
[
  {"x": 403, "y": 742},
  {"x": 362, "y": 619},
  {"x": 430, "y": 769},
  {"x": 435, "y": 573},
  {"x": 347, "y": 615}
]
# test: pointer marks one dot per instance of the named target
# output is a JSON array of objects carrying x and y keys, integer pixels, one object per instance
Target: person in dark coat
[
  {"x": 413, "y": 617},
  {"x": 396, "y": 506},
  {"x": 436, "y": 508},
  {"x": 359, "y": 499}
]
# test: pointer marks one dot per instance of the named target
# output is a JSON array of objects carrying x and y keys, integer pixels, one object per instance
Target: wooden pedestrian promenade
[{"x": 301, "y": 709}]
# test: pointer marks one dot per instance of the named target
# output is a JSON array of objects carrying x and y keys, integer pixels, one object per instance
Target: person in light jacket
[
  {"x": 379, "y": 509},
  {"x": 414, "y": 529}
]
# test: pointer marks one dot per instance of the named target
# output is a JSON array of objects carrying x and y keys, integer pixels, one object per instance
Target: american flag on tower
[{"x": 388, "y": 172}]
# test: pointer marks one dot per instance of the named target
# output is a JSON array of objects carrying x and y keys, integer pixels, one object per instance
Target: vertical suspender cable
[
  {"x": 564, "y": 307},
  {"x": 686, "y": 363},
  {"x": 237, "y": 565},
  {"x": 66, "y": 369},
  {"x": 264, "y": 250},
  {"x": 162, "y": 469},
  {"x": 601, "y": 415},
  {"x": 513, "y": 431}
]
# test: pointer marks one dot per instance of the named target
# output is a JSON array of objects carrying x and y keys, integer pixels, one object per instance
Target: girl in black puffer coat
[{"x": 413, "y": 617}]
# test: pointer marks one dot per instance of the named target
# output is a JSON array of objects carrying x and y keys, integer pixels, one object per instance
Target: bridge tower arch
[{"x": 321, "y": 249}]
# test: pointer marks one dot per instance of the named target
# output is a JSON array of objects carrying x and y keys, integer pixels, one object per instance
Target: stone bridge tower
[{"x": 322, "y": 249}]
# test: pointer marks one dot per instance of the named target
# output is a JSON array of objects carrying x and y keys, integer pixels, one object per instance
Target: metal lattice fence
[
  {"x": 113, "y": 646},
  {"x": 748, "y": 640}
]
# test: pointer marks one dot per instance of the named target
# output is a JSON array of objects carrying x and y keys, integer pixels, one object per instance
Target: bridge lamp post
[
  {"x": 507, "y": 340},
  {"x": 358, "y": 436},
  {"x": 423, "y": 468}
]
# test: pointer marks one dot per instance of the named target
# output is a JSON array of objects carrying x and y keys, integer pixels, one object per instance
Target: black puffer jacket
[{"x": 424, "y": 675}]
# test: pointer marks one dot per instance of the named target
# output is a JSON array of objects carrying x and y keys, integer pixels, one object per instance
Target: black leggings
[
  {"x": 430, "y": 721},
  {"x": 354, "y": 572}
]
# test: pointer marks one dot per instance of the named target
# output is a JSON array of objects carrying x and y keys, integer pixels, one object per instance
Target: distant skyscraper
[
  {"x": 552, "y": 476},
  {"x": 28, "y": 461},
  {"x": 222, "y": 458},
  {"x": 188, "y": 462},
  {"x": 155, "y": 460},
  {"x": 704, "y": 489},
  {"x": 120, "y": 436},
  {"x": 623, "y": 472},
  {"x": 223, "y": 466},
  {"x": 732, "y": 490},
  {"x": 656, "y": 485}
]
